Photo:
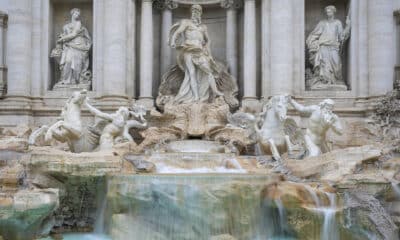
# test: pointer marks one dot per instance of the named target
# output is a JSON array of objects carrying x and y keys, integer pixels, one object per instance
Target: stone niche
[
  {"x": 314, "y": 12},
  {"x": 59, "y": 16}
]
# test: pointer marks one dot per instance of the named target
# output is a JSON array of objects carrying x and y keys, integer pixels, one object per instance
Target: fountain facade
[{"x": 282, "y": 126}]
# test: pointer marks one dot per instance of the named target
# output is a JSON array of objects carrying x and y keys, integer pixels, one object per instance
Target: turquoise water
[
  {"x": 91, "y": 236},
  {"x": 81, "y": 236}
]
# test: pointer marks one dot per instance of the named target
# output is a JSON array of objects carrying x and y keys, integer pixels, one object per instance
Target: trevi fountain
[{"x": 200, "y": 119}]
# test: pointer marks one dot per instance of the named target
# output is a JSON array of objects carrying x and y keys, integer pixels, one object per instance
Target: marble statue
[
  {"x": 72, "y": 53},
  {"x": 197, "y": 76},
  {"x": 69, "y": 127},
  {"x": 270, "y": 129},
  {"x": 325, "y": 45},
  {"x": 117, "y": 125},
  {"x": 321, "y": 119}
]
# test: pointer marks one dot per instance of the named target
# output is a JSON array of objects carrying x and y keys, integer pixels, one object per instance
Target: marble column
[
  {"x": 231, "y": 35},
  {"x": 380, "y": 51},
  {"x": 19, "y": 48},
  {"x": 265, "y": 49},
  {"x": 166, "y": 24},
  {"x": 281, "y": 47},
  {"x": 115, "y": 35},
  {"x": 146, "y": 54},
  {"x": 3, "y": 67},
  {"x": 249, "y": 53}
]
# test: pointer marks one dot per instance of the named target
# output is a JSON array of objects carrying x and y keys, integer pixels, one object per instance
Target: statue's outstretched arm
[
  {"x": 97, "y": 112},
  {"x": 301, "y": 108}
]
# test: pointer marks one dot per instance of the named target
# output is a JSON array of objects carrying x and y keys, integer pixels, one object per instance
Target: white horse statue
[{"x": 270, "y": 129}]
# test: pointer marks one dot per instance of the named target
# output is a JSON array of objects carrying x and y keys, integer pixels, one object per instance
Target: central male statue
[{"x": 197, "y": 76}]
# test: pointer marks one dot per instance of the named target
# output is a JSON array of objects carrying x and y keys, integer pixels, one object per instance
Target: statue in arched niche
[
  {"x": 197, "y": 77},
  {"x": 325, "y": 45},
  {"x": 72, "y": 53}
]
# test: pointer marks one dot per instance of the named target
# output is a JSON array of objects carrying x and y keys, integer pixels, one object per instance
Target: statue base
[
  {"x": 72, "y": 87},
  {"x": 329, "y": 87},
  {"x": 198, "y": 120}
]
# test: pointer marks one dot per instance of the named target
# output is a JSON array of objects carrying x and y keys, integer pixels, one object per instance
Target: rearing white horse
[{"x": 270, "y": 128}]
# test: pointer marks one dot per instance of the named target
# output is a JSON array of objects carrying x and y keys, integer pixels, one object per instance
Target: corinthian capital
[
  {"x": 163, "y": 4},
  {"x": 231, "y": 3}
]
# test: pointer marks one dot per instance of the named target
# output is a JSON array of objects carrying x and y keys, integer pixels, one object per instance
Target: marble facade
[{"x": 262, "y": 42}]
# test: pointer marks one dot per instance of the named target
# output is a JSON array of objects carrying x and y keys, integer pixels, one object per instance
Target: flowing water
[
  {"x": 200, "y": 206},
  {"x": 329, "y": 229},
  {"x": 396, "y": 189}
]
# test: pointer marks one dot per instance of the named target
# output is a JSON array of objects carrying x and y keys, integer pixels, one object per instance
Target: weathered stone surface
[
  {"x": 13, "y": 144},
  {"x": 365, "y": 216},
  {"x": 48, "y": 160},
  {"x": 334, "y": 165},
  {"x": 27, "y": 213},
  {"x": 21, "y": 131},
  {"x": 11, "y": 177}
]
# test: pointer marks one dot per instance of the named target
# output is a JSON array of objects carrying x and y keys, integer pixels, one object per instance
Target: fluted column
[
  {"x": 115, "y": 35},
  {"x": 146, "y": 54},
  {"x": 380, "y": 40},
  {"x": 281, "y": 47},
  {"x": 3, "y": 67},
  {"x": 19, "y": 48},
  {"x": 166, "y": 24},
  {"x": 249, "y": 52},
  {"x": 231, "y": 35}
]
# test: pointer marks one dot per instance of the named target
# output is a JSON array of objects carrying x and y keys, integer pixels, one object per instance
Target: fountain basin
[{"x": 194, "y": 146}]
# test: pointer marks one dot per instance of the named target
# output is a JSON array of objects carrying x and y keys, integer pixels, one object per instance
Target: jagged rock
[
  {"x": 27, "y": 213},
  {"x": 49, "y": 160},
  {"x": 366, "y": 217},
  {"x": 11, "y": 176},
  {"x": 334, "y": 165},
  {"x": 13, "y": 144}
]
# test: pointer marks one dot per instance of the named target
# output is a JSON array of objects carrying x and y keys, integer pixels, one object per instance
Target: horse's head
[
  {"x": 78, "y": 97},
  {"x": 279, "y": 105}
]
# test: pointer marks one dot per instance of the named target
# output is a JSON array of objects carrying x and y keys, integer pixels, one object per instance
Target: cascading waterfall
[
  {"x": 329, "y": 227},
  {"x": 182, "y": 206},
  {"x": 396, "y": 189}
]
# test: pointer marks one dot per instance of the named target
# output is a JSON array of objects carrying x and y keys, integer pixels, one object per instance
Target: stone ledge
[{"x": 50, "y": 160}]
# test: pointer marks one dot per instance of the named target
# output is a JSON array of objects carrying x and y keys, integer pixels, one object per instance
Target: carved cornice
[{"x": 231, "y": 3}]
